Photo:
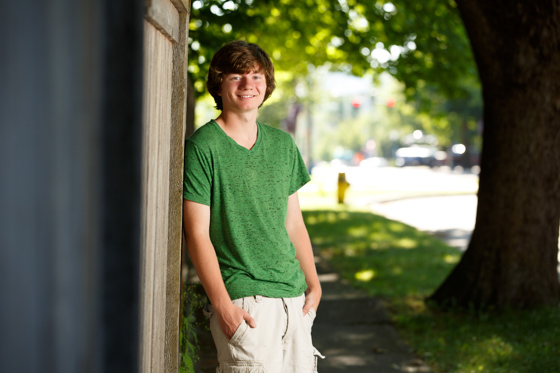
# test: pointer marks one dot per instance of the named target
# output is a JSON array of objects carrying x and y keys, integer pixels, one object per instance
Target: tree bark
[{"x": 512, "y": 257}]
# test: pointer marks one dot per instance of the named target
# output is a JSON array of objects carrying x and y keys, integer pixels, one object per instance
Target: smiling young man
[{"x": 243, "y": 224}]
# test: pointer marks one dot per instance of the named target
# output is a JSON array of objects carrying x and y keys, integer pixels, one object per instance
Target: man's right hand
[{"x": 231, "y": 318}]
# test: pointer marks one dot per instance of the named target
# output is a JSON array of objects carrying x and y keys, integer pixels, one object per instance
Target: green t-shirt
[{"x": 247, "y": 191}]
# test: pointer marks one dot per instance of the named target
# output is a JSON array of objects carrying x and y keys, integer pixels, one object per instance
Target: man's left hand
[{"x": 312, "y": 299}]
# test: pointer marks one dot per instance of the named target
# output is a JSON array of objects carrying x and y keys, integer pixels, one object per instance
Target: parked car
[
  {"x": 463, "y": 158},
  {"x": 374, "y": 162},
  {"x": 420, "y": 155}
]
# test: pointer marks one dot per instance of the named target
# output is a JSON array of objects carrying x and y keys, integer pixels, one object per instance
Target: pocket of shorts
[
  {"x": 239, "y": 333},
  {"x": 208, "y": 311},
  {"x": 311, "y": 314},
  {"x": 235, "y": 338},
  {"x": 241, "y": 367}
]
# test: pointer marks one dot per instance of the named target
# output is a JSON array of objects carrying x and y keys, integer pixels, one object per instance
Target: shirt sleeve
[
  {"x": 300, "y": 176},
  {"x": 197, "y": 181}
]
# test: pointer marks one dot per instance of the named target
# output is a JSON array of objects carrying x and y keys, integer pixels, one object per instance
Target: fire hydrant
[{"x": 343, "y": 185}]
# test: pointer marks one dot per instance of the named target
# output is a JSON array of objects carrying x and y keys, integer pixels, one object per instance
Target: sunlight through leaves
[{"x": 365, "y": 276}]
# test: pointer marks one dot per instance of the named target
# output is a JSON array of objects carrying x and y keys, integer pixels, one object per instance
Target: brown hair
[{"x": 239, "y": 57}]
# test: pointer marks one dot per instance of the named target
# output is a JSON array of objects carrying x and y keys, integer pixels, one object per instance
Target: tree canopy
[{"x": 423, "y": 44}]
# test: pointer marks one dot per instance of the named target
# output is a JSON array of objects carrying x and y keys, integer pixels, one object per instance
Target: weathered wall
[
  {"x": 155, "y": 181},
  {"x": 175, "y": 228},
  {"x": 165, "y": 60}
]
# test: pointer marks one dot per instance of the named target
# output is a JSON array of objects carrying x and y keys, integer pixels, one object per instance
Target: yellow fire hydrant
[{"x": 343, "y": 185}]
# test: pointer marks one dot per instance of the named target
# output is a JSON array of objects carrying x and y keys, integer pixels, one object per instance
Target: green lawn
[{"x": 402, "y": 266}]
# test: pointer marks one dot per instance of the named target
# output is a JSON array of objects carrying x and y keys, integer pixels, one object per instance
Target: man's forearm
[
  {"x": 206, "y": 264},
  {"x": 207, "y": 268},
  {"x": 297, "y": 232},
  {"x": 304, "y": 254},
  {"x": 196, "y": 221}
]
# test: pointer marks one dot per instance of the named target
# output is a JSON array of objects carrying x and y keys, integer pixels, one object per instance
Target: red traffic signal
[
  {"x": 390, "y": 102},
  {"x": 356, "y": 103}
]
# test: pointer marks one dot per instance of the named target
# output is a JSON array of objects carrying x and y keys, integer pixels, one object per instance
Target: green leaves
[
  {"x": 414, "y": 41},
  {"x": 422, "y": 44},
  {"x": 192, "y": 302}
]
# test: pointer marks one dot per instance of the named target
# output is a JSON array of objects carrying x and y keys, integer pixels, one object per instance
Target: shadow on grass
[
  {"x": 507, "y": 341},
  {"x": 403, "y": 265},
  {"x": 381, "y": 256}
]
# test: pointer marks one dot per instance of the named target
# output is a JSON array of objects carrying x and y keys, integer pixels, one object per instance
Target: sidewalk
[{"x": 352, "y": 330}]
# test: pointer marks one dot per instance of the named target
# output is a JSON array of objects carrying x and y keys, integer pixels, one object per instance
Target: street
[{"x": 390, "y": 183}]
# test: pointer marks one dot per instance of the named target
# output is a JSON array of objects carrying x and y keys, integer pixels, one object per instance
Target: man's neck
[
  {"x": 238, "y": 122},
  {"x": 242, "y": 128}
]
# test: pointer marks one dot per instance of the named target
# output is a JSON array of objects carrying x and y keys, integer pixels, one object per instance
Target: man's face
[{"x": 243, "y": 92}]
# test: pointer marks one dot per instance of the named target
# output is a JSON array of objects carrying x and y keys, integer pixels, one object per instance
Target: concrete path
[{"x": 354, "y": 332}]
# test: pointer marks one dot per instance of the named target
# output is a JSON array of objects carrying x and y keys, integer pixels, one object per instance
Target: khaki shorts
[{"x": 281, "y": 342}]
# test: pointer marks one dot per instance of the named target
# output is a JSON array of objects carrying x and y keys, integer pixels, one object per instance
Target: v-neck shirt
[
  {"x": 224, "y": 132},
  {"x": 247, "y": 191}
]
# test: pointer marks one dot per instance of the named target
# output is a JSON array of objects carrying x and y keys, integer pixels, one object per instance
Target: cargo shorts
[{"x": 281, "y": 342}]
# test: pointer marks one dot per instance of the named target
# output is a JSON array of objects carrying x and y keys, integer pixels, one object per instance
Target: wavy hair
[{"x": 239, "y": 57}]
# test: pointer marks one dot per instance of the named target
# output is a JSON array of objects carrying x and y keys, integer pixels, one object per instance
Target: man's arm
[
  {"x": 196, "y": 220},
  {"x": 304, "y": 253}
]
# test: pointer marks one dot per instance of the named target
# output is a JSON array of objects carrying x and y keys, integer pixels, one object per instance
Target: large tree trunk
[{"x": 512, "y": 257}]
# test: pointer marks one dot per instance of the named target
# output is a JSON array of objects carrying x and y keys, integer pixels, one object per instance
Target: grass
[{"x": 402, "y": 266}]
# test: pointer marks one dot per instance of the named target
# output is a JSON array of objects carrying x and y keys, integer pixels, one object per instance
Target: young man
[{"x": 243, "y": 224}]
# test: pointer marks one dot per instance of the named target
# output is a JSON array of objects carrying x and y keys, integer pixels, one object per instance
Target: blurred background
[{"x": 355, "y": 83}]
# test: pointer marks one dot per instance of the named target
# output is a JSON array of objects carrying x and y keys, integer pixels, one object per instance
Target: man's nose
[{"x": 246, "y": 83}]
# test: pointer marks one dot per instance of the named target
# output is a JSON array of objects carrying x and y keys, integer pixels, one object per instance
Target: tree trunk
[{"x": 512, "y": 257}]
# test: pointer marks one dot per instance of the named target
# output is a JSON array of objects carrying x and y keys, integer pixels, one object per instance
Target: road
[{"x": 387, "y": 183}]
